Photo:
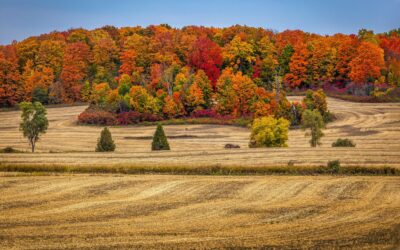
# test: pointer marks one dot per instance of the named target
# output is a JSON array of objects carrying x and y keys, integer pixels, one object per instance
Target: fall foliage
[{"x": 170, "y": 72}]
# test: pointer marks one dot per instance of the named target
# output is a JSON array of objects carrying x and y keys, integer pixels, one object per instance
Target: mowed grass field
[
  {"x": 103, "y": 211},
  {"x": 374, "y": 127},
  {"x": 196, "y": 212}
]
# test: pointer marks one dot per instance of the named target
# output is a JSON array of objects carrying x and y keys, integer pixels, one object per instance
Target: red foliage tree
[{"x": 206, "y": 55}]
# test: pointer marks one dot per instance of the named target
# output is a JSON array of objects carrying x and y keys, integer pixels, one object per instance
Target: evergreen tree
[
  {"x": 160, "y": 141},
  {"x": 105, "y": 143}
]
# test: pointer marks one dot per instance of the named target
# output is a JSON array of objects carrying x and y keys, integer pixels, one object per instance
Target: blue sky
[{"x": 22, "y": 18}]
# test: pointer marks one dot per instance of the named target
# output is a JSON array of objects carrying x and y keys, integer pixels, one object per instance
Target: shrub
[
  {"x": 334, "y": 166},
  {"x": 160, "y": 141},
  {"x": 328, "y": 117},
  {"x": 105, "y": 143},
  {"x": 210, "y": 113},
  {"x": 98, "y": 117},
  {"x": 312, "y": 119},
  {"x": 269, "y": 132},
  {"x": 9, "y": 150},
  {"x": 343, "y": 143},
  {"x": 133, "y": 117},
  {"x": 205, "y": 113}
]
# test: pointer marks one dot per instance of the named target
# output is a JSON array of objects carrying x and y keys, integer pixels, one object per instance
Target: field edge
[{"x": 215, "y": 169}]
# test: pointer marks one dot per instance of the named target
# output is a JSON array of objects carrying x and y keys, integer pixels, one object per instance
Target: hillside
[{"x": 373, "y": 127}]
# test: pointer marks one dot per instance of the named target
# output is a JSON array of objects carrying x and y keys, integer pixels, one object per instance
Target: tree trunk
[{"x": 33, "y": 146}]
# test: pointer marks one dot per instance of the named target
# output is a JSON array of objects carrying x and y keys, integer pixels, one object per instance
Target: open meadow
[{"x": 374, "y": 127}]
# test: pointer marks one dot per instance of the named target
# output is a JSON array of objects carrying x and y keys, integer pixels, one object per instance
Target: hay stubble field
[
  {"x": 71, "y": 211},
  {"x": 374, "y": 127},
  {"x": 153, "y": 211}
]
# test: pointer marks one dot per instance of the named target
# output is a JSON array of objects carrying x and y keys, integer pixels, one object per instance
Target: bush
[
  {"x": 160, "y": 141},
  {"x": 98, "y": 117},
  {"x": 105, "y": 143},
  {"x": 343, "y": 143},
  {"x": 205, "y": 113},
  {"x": 269, "y": 132},
  {"x": 9, "y": 150},
  {"x": 334, "y": 166},
  {"x": 210, "y": 113},
  {"x": 133, "y": 117}
]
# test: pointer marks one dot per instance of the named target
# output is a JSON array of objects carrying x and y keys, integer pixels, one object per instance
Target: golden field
[
  {"x": 103, "y": 211},
  {"x": 374, "y": 127},
  {"x": 186, "y": 212}
]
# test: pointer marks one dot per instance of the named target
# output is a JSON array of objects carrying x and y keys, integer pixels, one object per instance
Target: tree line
[{"x": 176, "y": 71}]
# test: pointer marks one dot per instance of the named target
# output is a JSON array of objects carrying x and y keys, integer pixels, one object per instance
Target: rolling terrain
[
  {"x": 71, "y": 211},
  {"x": 374, "y": 127},
  {"x": 167, "y": 211}
]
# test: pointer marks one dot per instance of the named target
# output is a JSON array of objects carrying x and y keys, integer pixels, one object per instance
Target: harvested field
[
  {"x": 153, "y": 211},
  {"x": 375, "y": 128}
]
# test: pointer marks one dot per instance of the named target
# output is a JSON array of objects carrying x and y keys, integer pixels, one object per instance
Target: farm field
[
  {"x": 374, "y": 127},
  {"x": 166, "y": 211}
]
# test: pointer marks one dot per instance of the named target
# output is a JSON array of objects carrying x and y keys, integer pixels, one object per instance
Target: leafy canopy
[
  {"x": 34, "y": 121},
  {"x": 269, "y": 132},
  {"x": 313, "y": 120}
]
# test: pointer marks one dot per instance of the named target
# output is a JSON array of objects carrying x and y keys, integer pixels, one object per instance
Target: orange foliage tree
[
  {"x": 298, "y": 67},
  {"x": 10, "y": 79},
  {"x": 368, "y": 63}
]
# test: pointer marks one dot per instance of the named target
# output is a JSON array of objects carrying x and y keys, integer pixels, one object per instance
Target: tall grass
[{"x": 199, "y": 170}]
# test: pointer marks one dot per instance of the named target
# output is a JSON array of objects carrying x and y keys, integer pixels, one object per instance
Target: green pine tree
[
  {"x": 105, "y": 143},
  {"x": 160, "y": 141}
]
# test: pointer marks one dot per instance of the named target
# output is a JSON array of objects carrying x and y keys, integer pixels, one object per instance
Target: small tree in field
[
  {"x": 105, "y": 143},
  {"x": 34, "y": 121},
  {"x": 269, "y": 132},
  {"x": 313, "y": 120},
  {"x": 160, "y": 141}
]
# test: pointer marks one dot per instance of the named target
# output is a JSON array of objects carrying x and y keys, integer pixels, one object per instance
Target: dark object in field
[
  {"x": 343, "y": 143},
  {"x": 230, "y": 145},
  {"x": 9, "y": 150}
]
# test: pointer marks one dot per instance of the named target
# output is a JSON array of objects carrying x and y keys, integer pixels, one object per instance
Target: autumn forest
[{"x": 164, "y": 72}]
